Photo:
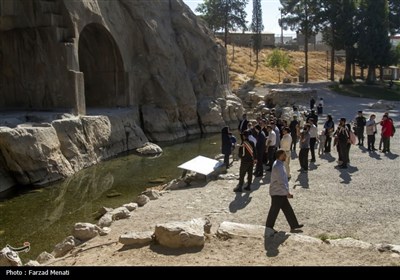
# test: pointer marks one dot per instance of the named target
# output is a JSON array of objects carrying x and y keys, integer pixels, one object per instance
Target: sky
[{"x": 270, "y": 12}]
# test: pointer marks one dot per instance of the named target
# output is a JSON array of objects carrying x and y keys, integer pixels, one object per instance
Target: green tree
[
  {"x": 279, "y": 60},
  {"x": 397, "y": 55},
  {"x": 394, "y": 16},
  {"x": 339, "y": 31},
  {"x": 257, "y": 27},
  {"x": 301, "y": 16},
  {"x": 374, "y": 48},
  {"x": 226, "y": 15}
]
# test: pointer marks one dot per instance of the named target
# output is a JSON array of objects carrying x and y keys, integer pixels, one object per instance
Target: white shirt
[
  {"x": 313, "y": 131},
  {"x": 286, "y": 141},
  {"x": 272, "y": 138}
]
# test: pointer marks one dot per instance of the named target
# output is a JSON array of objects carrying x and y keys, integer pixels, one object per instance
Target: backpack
[{"x": 393, "y": 129}]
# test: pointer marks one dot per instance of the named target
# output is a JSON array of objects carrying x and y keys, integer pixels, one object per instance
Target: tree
[
  {"x": 374, "y": 48},
  {"x": 397, "y": 55},
  {"x": 210, "y": 12},
  {"x": 257, "y": 27},
  {"x": 339, "y": 31},
  {"x": 226, "y": 15},
  {"x": 329, "y": 12},
  {"x": 278, "y": 59},
  {"x": 394, "y": 16},
  {"x": 301, "y": 16}
]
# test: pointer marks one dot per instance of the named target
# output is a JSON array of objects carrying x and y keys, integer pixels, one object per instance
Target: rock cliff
[{"x": 154, "y": 57}]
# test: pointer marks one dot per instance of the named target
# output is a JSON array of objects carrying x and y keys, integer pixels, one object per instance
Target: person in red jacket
[{"x": 387, "y": 132}]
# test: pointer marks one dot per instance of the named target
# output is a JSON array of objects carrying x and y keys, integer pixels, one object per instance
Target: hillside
[{"x": 241, "y": 70}]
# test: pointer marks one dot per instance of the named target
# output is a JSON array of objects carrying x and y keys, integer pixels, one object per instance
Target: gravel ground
[{"x": 361, "y": 202}]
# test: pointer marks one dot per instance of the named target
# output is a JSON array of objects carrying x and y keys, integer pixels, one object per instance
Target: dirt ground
[{"x": 361, "y": 202}]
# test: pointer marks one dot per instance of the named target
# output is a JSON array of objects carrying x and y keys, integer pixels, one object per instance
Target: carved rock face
[
  {"x": 153, "y": 59},
  {"x": 156, "y": 57}
]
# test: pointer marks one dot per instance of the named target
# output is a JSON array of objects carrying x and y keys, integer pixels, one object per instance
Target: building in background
[{"x": 246, "y": 39}]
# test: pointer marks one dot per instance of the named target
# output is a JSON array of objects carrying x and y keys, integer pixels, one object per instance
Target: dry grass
[{"x": 242, "y": 69}]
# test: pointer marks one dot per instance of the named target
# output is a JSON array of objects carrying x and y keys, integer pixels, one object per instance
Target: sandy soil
[{"x": 361, "y": 202}]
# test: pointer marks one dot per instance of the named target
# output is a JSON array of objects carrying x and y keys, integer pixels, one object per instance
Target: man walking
[{"x": 279, "y": 192}]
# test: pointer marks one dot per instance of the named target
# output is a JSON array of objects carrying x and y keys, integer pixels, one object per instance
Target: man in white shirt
[
  {"x": 270, "y": 147},
  {"x": 279, "y": 192},
  {"x": 313, "y": 137},
  {"x": 286, "y": 142}
]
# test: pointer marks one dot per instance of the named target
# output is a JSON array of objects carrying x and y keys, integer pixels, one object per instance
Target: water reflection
[{"x": 44, "y": 216}]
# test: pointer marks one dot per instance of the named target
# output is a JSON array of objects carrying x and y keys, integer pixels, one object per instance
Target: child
[{"x": 322, "y": 140}]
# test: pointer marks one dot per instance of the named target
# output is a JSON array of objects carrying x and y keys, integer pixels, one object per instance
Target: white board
[{"x": 202, "y": 165}]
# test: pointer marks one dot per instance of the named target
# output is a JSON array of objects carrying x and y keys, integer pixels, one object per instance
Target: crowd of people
[{"x": 269, "y": 142}]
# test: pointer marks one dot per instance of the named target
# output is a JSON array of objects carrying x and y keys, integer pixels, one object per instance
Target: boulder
[
  {"x": 44, "y": 257},
  {"x": 104, "y": 231},
  {"x": 142, "y": 200},
  {"x": 32, "y": 263},
  {"x": 304, "y": 239},
  {"x": 85, "y": 231},
  {"x": 176, "y": 184},
  {"x": 103, "y": 210},
  {"x": 388, "y": 247},
  {"x": 152, "y": 194},
  {"x": 350, "y": 242},
  {"x": 130, "y": 206},
  {"x": 106, "y": 220},
  {"x": 9, "y": 257},
  {"x": 120, "y": 213},
  {"x": 136, "y": 238},
  {"x": 149, "y": 149},
  {"x": 181, "y": 234},
  {"x": 61, "y": 249},
  {"x": 227, "y": 230}
]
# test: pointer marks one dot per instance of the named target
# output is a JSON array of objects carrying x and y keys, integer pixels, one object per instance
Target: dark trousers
[
  {"x": 259, "y": 165},
  {"x": 226, "y": 160},
  {"x": 371, "y": 142},
  {"x": 245, "y": 167},
  {"x": 328, "y": 142},
  {"x": 303, "y": 158},
  {"x": 312, "y": 147},
  {"x": 294, "y": 142},
  {"x": 271, "y": 156},
  {"x": 277, "y": 203},
  {"x": 360, "y": 135},
  {"x": 343, "y": 151},
  {"x": 386, "y": 144}
]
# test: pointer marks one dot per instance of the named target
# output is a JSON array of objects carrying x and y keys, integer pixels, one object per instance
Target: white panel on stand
[{"x": 202, "y": 165}]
